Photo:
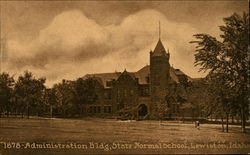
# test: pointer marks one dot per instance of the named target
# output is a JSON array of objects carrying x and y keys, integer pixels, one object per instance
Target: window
[
  {"x": 107, "y": 95},
  {"x": 90, "y": 109},
  {"x": 107, "y": 109},
  {"x": 125, "y": 92},
  {"x": 144, "y": 91},
  {"x": 94, "y": 109},
  {"x": 118, "y": 93},
  {"x": 109, "y": 83},
  {"x": 131, "y": 92},
  {"x": 99, "y": 109}
]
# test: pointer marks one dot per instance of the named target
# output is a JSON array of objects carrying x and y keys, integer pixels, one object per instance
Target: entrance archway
[{"x": 143, "y": 110}]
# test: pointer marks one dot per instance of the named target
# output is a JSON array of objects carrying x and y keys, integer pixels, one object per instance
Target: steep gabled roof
[
  {"x": 159, "y": 49},
  {"x": 104, "y": 77},
  {"x": 179, "y": 72},
  {"x": 141, "y": 74},
  {"x": 144, "y": 72},
  {"x": 130, "y": 74},
  {"x": 99, "y": 80},
  {"x": 173, "y": 75}
]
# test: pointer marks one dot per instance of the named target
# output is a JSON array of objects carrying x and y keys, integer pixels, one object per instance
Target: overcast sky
[{"x": 68, "y": 39}]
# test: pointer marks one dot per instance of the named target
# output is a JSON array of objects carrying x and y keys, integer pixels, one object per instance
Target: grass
[{"x": 108, "y": 131}]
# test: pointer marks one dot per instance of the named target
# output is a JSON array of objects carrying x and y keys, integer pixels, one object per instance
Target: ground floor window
[
  {"x": 107, "y": 109},
  {"x": 98, "y": 109},
  {"x": 95, "y": 109},
  {"x": 90, "y": 109}
]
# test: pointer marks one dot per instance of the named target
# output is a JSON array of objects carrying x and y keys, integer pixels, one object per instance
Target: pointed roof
[
  {"x": 159, "y": 49},
  {"x": 131, "y": 74},
  {"x": 142, "y": 74}
]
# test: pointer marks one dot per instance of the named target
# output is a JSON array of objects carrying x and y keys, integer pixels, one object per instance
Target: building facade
[{"x": 156, "y": 90}]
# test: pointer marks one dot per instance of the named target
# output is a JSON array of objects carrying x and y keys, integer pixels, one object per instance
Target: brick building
[{"x": 154, "y": 90}]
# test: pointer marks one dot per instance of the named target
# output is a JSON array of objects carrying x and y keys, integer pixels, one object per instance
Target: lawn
[{"x": 114, "y": 136}]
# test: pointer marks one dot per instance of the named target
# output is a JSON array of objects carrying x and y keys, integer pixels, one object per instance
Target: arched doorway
[{"x": 142, "y": 110}]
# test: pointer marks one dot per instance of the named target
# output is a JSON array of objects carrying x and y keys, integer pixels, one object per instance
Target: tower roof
[{"x": 159, "y": 49}]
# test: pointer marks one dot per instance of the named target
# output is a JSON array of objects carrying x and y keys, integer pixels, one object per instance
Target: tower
[{"x": 159, "y": 76}]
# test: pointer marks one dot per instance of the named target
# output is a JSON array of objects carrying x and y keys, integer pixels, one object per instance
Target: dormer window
[{"x": 109, "y": 83}]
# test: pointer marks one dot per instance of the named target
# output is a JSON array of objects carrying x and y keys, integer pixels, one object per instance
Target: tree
[
  {"x": 173, "y": 101},
  {"x": 6, "y": 91},
  {"x": 163, "y": 109},
  {"x": 90, "y": 91},
  {"x": 65, "y": 101},
  {"x": 71, "y": 96},
  {"x": 29, "y": 93},
  {"x": 221, "y": 97},
  {"x": 50, "y": 99},
  {"x": 85, "y": 92},
  {"x": 79, "y": 94},
  {"x": 228, "y": 57}
]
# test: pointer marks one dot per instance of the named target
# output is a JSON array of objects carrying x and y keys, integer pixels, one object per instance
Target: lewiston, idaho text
[{"x": 122, "y": 146}]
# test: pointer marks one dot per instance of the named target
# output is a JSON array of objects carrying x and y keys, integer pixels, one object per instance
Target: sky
[{"x": 68, "y": 39}]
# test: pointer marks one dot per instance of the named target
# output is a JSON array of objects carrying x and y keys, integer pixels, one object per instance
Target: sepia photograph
[{"x": 124, "y": 77}]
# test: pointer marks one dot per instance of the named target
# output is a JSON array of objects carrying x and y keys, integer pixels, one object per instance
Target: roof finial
[{"x": 159, "y": 30}]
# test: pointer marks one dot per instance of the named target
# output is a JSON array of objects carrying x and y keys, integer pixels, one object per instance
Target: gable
[{"x": 126, "y": 77}]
